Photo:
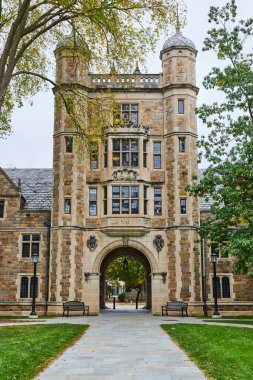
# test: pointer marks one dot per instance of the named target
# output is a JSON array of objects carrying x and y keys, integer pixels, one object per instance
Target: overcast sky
[{"x": 31, "y": 144}]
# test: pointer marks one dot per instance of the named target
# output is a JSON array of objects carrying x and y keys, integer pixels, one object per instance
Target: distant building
[{"x": 130, "y": 200}]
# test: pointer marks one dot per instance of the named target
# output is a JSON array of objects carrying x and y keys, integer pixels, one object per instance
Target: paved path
[{"x": 119, "y": 346}]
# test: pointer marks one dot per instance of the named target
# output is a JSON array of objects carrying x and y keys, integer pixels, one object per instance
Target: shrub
[{"x": 121, "y": 297}]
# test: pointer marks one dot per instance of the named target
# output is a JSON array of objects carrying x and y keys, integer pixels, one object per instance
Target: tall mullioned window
[
  {"x": 26, "y": 287},
  {"x": 93, "y": 201},
  {"x": 223, "y": 286},
  {"x": 125, "y": 152},
  {"x": 127, "y": 113},
  {"x": 125, "y": 199},
  {"x": 1, "y": 208},
  {"x": 157, "y": 201},
  {"x": 157, "y": 151},
  {"x": 30, "y": 245}
]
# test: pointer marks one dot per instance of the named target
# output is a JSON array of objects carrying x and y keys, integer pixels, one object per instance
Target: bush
[{"x": 121, "y": 297}]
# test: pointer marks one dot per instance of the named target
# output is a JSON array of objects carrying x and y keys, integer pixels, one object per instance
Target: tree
[
  {"x": 103, "y": 31},
  {"x": 134, "y": 277},
  {"x": 228, "y": 181}
]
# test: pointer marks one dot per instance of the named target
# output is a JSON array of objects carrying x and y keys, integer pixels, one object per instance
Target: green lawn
[
  {"x": 26, "y": 350},
  {"x": 222, "y": 352},
  {"x": 234, "y": 321}
]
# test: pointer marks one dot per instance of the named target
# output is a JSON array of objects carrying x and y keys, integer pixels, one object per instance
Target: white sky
[{"x": 31, "y": 143}]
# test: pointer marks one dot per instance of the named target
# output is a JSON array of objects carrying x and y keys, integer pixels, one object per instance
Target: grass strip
[
  {"x": 27, "y": 350},
  {"x": 222, "y": 352},
  {"x": 232, "y": 321}
]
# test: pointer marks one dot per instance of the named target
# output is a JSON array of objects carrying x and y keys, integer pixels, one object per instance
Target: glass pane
[
  {"x": 183, "y": 206},
  {"x": 24, "y": 287},
  {"x": 125, "y": 107},
  {"x": 134, "y": 117},
  {"x": 26, "y": 237},
  {"x": 157, "y": 162},
  {"x": 93, "y": 193},
  {"x": 26, "y": 250},
  {"x": 115, "y": 191},
  {"x": 157, "y": 194},
  {"x": 218, "y": 287},
  {"x": 67, "y": 207},
  {"x": 35, "y": 248},
  {"x": 105, "y": 207},
  {"x": 35, "y": 237},
  {"x": 69, "y": 144},
  {"x": 93, "y": 208},
  {"x": 157, "y": 208},
  {"x": 115, "y": 207},
  {"x": 157, "y": 147},
  {"x": 116, "y": 159},
  {"x": 134, "y": 159},
  {"x": 125, "y": 145},
  {"x": 134, "y": 191},
  {"x": 134, "y": 145},
  {"x": 181, "y": 106},
  {"x": 145, "y": 191},
  {"x": 1, "y": 209},
  {"x": 105, "y": 192},
  {"x": 125, "y": 206},
  {"x": 181, "y": 144},
  {"x": 145, "y": 146},
  {"x": 125, "y": 116},
  {"x": 145, "y": 207},
  {"x": 134, "y": 206},
  {"x": 94, "y": 164},
  {"x": 225, "y": 287},
  {"x": 125, "y": 192},
  {"x": 125, "y": 159},
  {"x": 116, "y": 144},
  {"x": 36, "y": 287},
  {"x": 134, "y": 107}
]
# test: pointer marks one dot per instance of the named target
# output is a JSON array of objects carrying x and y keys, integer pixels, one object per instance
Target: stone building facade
[{"x": 128, "y": 200}]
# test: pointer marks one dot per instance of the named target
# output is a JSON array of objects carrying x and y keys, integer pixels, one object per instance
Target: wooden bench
[
  {"x": 174, "y": 306},
  {"x": 75, "y": 306}
]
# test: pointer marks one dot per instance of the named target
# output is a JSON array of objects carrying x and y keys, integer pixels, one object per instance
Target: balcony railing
[{"x": 126, "y": 81}]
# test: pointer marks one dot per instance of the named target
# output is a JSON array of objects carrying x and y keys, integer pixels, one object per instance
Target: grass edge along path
[
  {"x": 26, "y": 350},
  {"x": 221, "y": 352},
  {"x": 232, "y": 321}
]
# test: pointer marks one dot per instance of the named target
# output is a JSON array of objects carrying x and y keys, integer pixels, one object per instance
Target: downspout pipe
[
  {"x": 203, "y": 272},
  {"x": 48, "y": 226}
]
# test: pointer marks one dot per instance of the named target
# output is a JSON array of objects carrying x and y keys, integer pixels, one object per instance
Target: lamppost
[
  {"x": 125, "y": 264},
  {"x": 35, "y": 257},
  {"x": 216, "y": 313}
]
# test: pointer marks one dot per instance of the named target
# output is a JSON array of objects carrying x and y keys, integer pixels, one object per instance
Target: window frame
[
  {"x": 29, "y": 287},
  {"x": 2, "y": 215},
  {"x": 67, "y": 208},
  {"x": 181, "y": 103},
  {"x": 181, "y": 144},
  {"x": 130, "y": 198},
  {"x": 183, "y": 207},
  {"x": 220, "y": 290},
  {"x": 94, "y": 156},
  {"x": 145, "y": 153},
  {"x": 93, "y": 201},
  {"x": 122, "y": 109},
  {"x": 118, "y": 154},
  {"x": 68, "y": 144},
  {"x": 158, "y": 202},
  {"x": 31, "y": 243},
  {"x": 157, "y": 155}
]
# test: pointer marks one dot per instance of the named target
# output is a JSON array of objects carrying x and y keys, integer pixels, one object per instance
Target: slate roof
[
  {"x": 178, "y": 40},
  {"x": 36, "y": 187}
]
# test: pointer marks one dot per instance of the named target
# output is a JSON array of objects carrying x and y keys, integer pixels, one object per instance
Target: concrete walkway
[{"x": 119, "y": 346}]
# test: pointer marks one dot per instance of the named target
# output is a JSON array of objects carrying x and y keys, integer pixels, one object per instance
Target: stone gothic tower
[
  {"x": 180, "y": 135},
  {"x": 131, "y": 199}
]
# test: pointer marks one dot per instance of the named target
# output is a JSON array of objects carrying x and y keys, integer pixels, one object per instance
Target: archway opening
[{"x": 128, "y": 271}]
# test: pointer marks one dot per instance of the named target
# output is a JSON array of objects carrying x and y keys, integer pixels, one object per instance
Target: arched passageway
[{"x": 124, "y": 252}]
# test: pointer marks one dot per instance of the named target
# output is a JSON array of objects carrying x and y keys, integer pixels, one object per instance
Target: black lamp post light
[
  {"x": 35, "y": 258},
  {"x": 125, "y": 264},
  {"x": 216, "y": 313}
]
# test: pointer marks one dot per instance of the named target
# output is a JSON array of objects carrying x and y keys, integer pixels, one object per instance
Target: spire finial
[
  {"x": 178, "y": 23},
  {"x": 137, "y": 70}
]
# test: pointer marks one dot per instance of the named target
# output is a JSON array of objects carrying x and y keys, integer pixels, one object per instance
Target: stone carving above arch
[{"x": 119, "y": 244}]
